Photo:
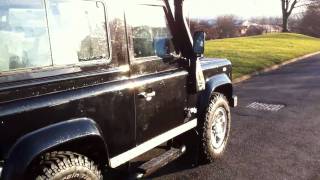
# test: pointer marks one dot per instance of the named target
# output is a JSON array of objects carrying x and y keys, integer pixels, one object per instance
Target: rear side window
[
  {"x": 77, "y": 30},
  {"x": 150, "y": 31},
  {"x": 40, "y": 33},
  {"x": 24, "y": 40}
]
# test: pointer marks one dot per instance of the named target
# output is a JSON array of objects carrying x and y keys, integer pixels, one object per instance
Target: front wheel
[
  {"x": 65, "y": 165},
  {"x": 216, "y": 127}
]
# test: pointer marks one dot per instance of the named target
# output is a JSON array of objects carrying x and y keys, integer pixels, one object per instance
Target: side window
[
  {"x": 77, "y": 31},
  {"x": 150, "y": 31},
  {"x": 41, "y": 33},
  {"x": 24, "y": 40}
]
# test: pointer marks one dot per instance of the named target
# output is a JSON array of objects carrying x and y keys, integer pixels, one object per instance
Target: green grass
[{"x": 250, "y": 54}]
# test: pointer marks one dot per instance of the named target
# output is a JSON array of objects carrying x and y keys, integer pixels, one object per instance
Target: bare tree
[
  {"x": 226, "y": 26},
  {"x": 204, "y": 25},
  {"x": 255, "y": 30},
  {"x": 288, "y": 6},
  {"x": 310, "y": 23}
]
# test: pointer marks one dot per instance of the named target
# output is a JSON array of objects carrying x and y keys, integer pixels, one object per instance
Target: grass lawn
[{"x": 250, "y": 54}]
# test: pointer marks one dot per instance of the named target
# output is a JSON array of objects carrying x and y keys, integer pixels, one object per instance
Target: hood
[{"x": 207, "y": 63}]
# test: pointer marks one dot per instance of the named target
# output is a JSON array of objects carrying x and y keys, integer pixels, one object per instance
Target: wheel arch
[
  {"x": 220, "y": 83},
  {"x": 73, "y": 134}
]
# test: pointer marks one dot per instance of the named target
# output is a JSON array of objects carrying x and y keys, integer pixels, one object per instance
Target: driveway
[{"x": 265, "y": 144}]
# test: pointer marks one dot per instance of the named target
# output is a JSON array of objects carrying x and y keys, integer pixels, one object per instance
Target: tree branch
[{"x": 292, "y": 6}]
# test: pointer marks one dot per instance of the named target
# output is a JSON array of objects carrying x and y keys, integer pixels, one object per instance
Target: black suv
[{"x": 88, "y": 84}]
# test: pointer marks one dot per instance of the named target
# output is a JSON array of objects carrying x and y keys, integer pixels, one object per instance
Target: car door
[{"x": 159, "y": 80}]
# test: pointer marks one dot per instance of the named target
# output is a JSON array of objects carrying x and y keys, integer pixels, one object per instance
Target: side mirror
[{"x": 198, "y": 43}]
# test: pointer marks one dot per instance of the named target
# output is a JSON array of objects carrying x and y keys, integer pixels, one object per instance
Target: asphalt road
[{"x": 267, "y": 145}]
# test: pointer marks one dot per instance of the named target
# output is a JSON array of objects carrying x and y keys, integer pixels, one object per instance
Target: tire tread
[{"x": 53, "y": 163}]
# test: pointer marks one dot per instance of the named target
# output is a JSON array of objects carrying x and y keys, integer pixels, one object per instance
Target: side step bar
[
  {"x": 152, "y": 143},
  {"x": 158, "y": 162}
]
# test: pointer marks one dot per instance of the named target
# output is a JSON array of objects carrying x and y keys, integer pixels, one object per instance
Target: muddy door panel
[
  {"x": 160, "y": 101},
  {"x": 160, "y": 83}
]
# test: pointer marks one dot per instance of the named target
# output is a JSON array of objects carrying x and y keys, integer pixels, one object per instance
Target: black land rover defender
[{"x": 88, "y": 84}]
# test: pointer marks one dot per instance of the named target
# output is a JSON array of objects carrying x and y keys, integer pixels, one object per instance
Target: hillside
[{"x": 249, "y": 54}]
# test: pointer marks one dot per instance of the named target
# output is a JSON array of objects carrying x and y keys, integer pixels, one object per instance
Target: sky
[{"x": 242, "y": 8}]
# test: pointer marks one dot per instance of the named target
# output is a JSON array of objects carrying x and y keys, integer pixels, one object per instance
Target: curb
[{"x": 274, "y": 67}]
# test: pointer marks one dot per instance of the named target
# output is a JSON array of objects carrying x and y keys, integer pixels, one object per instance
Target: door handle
[{"x": 147, "y": 96}]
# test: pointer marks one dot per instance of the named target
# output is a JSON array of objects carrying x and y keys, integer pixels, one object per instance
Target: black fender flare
[
  {"x": 212, "y": 84},
  {"x": 30, "y": 146}
]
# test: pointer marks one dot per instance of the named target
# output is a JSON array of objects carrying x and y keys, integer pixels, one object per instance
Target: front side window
[
  {"x": 150, "y": 31},
  {"x": 24, "y": 40},
  {"x": 77, "y": 31}
]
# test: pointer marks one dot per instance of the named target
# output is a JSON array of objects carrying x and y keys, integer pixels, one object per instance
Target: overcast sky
[{"x": 242, "y": 8}]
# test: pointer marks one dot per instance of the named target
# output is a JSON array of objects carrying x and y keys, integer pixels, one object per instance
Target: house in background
[{"x": 249, "y": 28}]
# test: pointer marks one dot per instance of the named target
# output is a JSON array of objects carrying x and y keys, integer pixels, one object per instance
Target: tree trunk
[
  {"x": 285, "y": 24},
  {"x": 287, "y": 9}
]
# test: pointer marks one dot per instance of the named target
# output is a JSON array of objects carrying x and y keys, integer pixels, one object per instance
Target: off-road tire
[
  {"x": 66, "y": 165},
  {"x": 207, "y": 152}
]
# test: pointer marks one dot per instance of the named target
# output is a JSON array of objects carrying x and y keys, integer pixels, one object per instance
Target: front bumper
[{"x": 234, "y": 101}]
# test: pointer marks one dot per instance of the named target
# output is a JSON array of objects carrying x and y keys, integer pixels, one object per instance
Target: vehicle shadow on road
[{"x": 183, "y": 163}]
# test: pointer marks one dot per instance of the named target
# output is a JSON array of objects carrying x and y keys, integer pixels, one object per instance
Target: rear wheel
[
  {"x": 65, "y": 165},
  {"x": 216, "y": 127}
]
